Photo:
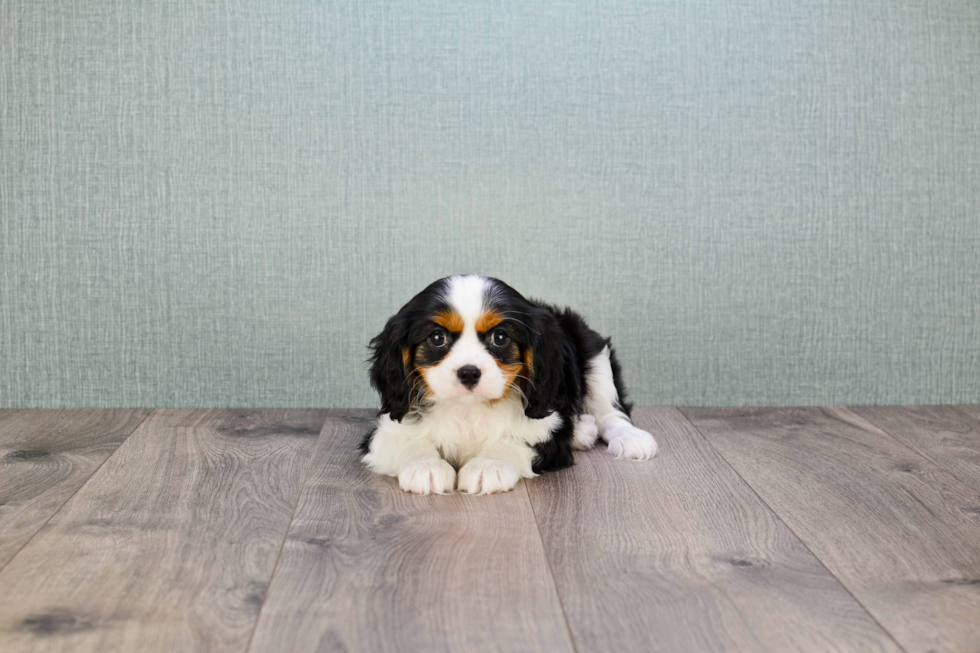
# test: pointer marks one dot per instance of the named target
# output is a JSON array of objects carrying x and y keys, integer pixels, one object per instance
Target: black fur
[
  {"x": 389, "y": 375},
  {"x": 562, "y": 345},
  {"x": 579, "y": 344},
  {"x": 406, "y": 329}
]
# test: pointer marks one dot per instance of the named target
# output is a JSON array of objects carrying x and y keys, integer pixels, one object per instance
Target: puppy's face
[
  {"x": 464, "y": 339},
  {"x": 472, "y": 351}
]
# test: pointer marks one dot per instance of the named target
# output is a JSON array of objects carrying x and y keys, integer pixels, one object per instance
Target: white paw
[
  {"x": 586, "y": 433},
  {"x": 627, "y": 441},
  {"x": 486, "y": 476},
  {"x": 427, "y": 476}
]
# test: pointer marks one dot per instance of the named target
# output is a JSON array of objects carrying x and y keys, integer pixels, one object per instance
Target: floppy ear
[
  {"x": 391, "y": 366},
  {"x": 544, "y": 364}
]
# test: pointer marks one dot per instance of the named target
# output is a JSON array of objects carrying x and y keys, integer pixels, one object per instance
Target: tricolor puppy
[{"x": 474, "y": 377}]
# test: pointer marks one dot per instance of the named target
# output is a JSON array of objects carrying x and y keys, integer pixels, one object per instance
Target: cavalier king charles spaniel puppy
[{"x": 481, "y": 387}]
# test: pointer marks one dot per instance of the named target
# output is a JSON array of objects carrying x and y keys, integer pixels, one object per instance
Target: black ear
[
  {"x": 391, "y": 366},
  {"x": 544, "y": 364}
]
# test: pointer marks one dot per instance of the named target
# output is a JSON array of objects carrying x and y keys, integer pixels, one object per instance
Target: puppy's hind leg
[{"x": 612, "y": 417}]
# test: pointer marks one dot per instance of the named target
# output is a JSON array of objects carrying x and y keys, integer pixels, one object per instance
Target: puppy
[{"x": 474, "y": 377}]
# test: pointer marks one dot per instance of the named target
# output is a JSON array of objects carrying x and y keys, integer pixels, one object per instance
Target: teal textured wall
[{"x": 218, "y": 203}]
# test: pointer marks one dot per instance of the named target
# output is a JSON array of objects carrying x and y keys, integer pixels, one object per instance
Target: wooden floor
[{"x": 791, "y": 529}]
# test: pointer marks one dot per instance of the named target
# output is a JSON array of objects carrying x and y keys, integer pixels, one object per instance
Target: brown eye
[
  {"x": 499, "y": 338},
  {"x": 437, "y": 339}
]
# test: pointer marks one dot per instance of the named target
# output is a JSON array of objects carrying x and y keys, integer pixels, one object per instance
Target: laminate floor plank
[
  {"x": 45, "y": 456},
  {"x": 971, "y": 410},
  {"x": 367, "y": 567},
  {"x": 678, "y": 554},
  {"x": 946, "y": 436},
  {"x": 899, "y": 532},
  {"x": 171, "y": 544}
]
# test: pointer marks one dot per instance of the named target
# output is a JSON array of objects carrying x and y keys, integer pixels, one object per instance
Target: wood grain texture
[
  {"x": 678, "y": 554},
  {"x": 171, "y": 544},
  {"x": 971, "y": 410},
  {"x": 948, "y": 437},
  {"x": 367, "y": 567},
  {"x": 898, "y": 531},
  {"x": 45, "y": 456}
]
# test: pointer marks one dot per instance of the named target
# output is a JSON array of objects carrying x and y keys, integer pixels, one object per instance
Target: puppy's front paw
[
  {"x": 630, "y": 442},
  {"x": 486, "y": 476},
  {"x": 586, "y": 433},
  {"x": 427, "y": 476}
]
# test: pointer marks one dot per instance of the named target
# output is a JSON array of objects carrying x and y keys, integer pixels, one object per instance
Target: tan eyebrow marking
[
  {"x": 488, "y": 320},
  {"x": 449, "y": 320}
]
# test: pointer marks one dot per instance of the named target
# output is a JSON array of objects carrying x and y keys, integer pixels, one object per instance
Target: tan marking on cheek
[
  {"x": 423, "y": 387},
  {"x": 511, "y": 373},
  {"x": 519, "y": 380},
  {"x": 450, "y": 320},
  {"x": 488, "y": 320}
]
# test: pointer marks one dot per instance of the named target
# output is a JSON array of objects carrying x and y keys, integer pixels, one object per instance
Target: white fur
[
  {"x": 486, "y": 476},
  {"x": 460, "y": 434},
  {"x": 624, "y": 439},
  {"x": 427, "y": 475},
  {"x": 586, "y": 432}
]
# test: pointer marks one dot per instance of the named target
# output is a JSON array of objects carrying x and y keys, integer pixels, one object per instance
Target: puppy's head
[{"x": 467, "y": 339}]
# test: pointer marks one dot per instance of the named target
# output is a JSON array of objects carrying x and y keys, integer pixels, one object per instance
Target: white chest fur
[{"x": 461, "y": 432}]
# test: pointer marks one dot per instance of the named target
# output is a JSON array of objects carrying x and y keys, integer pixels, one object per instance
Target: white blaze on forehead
[{"x": 465, "y": 294}]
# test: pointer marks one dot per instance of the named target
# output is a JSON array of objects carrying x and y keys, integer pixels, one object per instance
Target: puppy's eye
[
  {"x": 499, "y": 338},
  {"x": 437, "y": 339}
]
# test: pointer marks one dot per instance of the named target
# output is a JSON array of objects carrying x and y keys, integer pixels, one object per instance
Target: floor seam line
[
  {"x": 551, "y": 571},
  {"x": 79, "y": 489},
  {"x": 941, "y": 466},
  {"x": 899, "y": 442},
  {"x": 958, "y": 408},
  {"x": 285, "y": 537},
  {"x": 795, "y": 534}
]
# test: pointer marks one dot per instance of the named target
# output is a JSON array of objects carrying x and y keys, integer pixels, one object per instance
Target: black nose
[{"x": 469, "y": 375}]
